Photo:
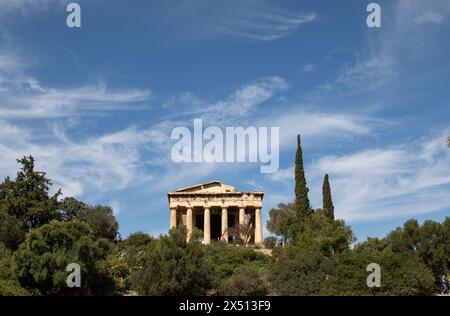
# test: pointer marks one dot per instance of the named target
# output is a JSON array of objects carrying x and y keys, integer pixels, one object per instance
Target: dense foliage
[
  {"x": 42, "y": 259},
  {"x": 312, "y": 253},
  {"x": 246, "y": 281},
  {"x": 318, "y": 258},
  {"x": 224, "y": 260},
  {"x": 172, "y": 266},
  {"x": 40, "y": 236},
  {"x": 328, "y": 206},
  {"x": 302, "y": 206}
]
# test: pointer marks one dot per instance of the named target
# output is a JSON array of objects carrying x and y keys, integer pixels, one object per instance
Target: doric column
[
  {"x": 189, "y": 221},
  {"x": 225, "y": 223},
  {"x": 207, "y": 226},
  {"x": 173, "y": 217},
  {"x": 258, "y": 227},
  {"x": 242, "y": 220},
  {"x": 194, "y": 218}
]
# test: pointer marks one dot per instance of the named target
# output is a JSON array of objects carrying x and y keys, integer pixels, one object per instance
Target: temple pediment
[{"x": 208, "y": 187}]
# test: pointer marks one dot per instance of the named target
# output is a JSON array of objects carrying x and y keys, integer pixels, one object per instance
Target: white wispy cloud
[
  {"x": 430, "y": 17},
  {"x": 243, "y": 108},
  {"x": 180, "y": 102},
  {"x": 307, "y": 68},
  {"x": 406, "y": 180},
  {"x": 372, "y": 73},
  {"x": 12, "y": 74},
  {"x": 266, "y": 26},
  {"x": 11, "y": 133},
  {"x": 122, "y": 159},
  {"x": 105, "y": 163},
  {"x": 48, "y": 103},
  {"x": 116, "y": 206},
  {"x": 382, "y": 183},
  {"x": 413, "y": 14},
  {"x": 27, "y": 6},
  {"x": 315, "y": 124},
  {"x": 8, "y": 62},
  {"x": 244, "y": 19},
  {"x": 365, "y": 74},
  {"x": 22, "y": 96},
  {"x": 282, "y": 175},
  {"x": 112, "y": 161},
  {"x": 260, "y": 20},
  {"x": 241, "y": 103},
  {"x": 409, "y": 31}
]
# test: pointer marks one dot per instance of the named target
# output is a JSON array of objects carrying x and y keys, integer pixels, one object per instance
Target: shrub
[
  {"x": 223, "y": 260},
  {"x": 173, "y": 266},
  {"x": 12, "y": 288},
  {"x": 42, "y": 259},
  {"x": 270, "y": 242},
  {"x": 246, "y": 281},
  {"x": 301, "y": 274}
]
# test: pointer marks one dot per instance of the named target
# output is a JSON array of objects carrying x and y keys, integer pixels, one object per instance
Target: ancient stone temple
[{"x": 214, "y": 207}]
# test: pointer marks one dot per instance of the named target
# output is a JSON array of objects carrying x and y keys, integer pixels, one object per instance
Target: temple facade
[{"x": 214, "y": 208}]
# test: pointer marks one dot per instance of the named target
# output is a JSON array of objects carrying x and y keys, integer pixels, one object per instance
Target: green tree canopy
[
  {"x": 224, "y": 259},
  {"x": 27, "y": 197},
  {"x": 430, "y": 242},
  {"x": 12, "y": 288},
  {"x": 42, "y": 259},
  {"x": 328, "y": 207},
  {"x": 100, "y": 218},
  {"x": 270, "y": 242},
  {"x": 128, "y": 257},
  {"x": 246, "y": 281},
  {"x": 11, "y": 231},
  {"x": 301, "y": 273},
  {"x": 102, "y": 221},
  {"x": 136, "y": 240},
  {"x": 287, "y": 220},
  {"x": 282, "y": 221},
  {"x": 401, "y": 274},
  {"x": 302, "y": 205},
  {"x": 324, "y": 235},
  {"x": 173, "y": 267}
]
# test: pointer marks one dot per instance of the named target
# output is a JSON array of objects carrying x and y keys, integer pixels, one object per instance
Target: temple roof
[{"x": 209, "y": 187}]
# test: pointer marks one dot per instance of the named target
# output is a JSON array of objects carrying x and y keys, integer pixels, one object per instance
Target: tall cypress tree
[
  {"x": 302, "y": 206},
  {"x": 328, "y": 206}
]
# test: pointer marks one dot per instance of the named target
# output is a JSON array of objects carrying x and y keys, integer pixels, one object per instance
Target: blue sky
[{"x": 96, "y": 105}]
